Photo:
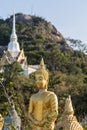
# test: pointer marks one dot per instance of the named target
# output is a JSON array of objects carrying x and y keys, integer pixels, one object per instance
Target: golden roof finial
[{"x": 42, "y": 66}]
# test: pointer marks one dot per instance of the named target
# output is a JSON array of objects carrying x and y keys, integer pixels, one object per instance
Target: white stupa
[
  {"x": 13, "y": 45},
  {"x": 14, "y": 53}
]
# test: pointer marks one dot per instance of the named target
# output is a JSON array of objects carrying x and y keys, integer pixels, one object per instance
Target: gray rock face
[{"x": 22, "y": 18}]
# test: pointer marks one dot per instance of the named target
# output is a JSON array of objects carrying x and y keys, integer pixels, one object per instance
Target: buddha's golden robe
[
  {"x": 44, "y": 108},
  {"x": 1, "y": 122}
]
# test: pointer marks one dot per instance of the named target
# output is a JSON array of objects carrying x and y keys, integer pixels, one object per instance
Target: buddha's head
[{"x": 42, "y": 76}]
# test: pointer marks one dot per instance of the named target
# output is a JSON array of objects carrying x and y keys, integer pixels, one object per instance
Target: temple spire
[
  {"x": 13, "y": 30},
  {"x": 13, "y": 35},
  {"x": 13, "y": 45}
]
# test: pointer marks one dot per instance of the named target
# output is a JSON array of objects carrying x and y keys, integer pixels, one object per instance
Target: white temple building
[{"x": 14, "y": 53}]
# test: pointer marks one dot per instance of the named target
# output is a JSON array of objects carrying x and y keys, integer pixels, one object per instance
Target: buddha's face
[{"x": 41, "y": 82}]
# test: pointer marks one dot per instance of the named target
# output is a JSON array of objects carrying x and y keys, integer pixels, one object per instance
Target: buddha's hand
[
  {"x": 39, "y": 123},
  {"x": 45, "y": 121},
  {"x": 42, "y": 122},
  {"x": 36, "y": 122}
]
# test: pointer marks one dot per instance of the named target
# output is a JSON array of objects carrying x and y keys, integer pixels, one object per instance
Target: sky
[{"x": 68, "y": 16}]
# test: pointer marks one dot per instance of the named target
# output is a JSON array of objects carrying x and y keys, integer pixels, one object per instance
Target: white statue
[{"x": 16, "y": 121}]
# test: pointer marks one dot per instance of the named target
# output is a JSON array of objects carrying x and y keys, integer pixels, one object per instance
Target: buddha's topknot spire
[
  {"x": 68, "y": 106},
  {"x": 42, "y": 66}
]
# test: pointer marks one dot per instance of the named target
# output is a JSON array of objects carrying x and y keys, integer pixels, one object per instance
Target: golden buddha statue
[
  {"x": 43, "y": 106},
  {"x": 68, "y": 121},
  {"x": 1, "y": 122}
]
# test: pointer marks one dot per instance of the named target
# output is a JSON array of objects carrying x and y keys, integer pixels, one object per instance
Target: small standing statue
[
  {"x": 68, "y": 121},
  {"x": 1, "y": 122},
  {"x": 16, "y": 120},
  {"x": 43, "y": 106}
]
